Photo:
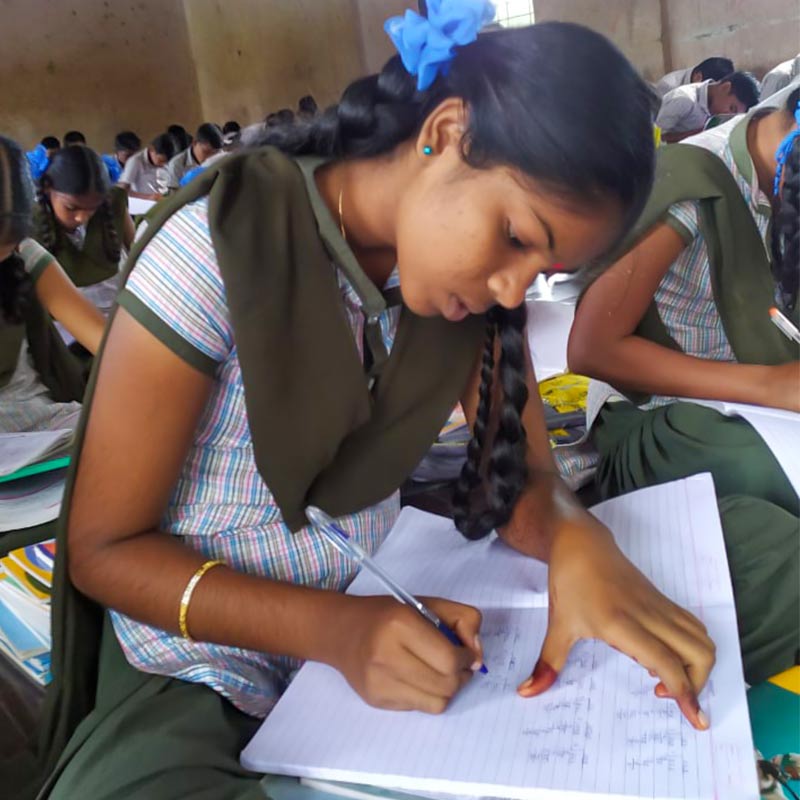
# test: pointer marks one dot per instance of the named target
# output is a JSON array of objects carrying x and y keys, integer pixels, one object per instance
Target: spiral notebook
[{"x": 599, "y": 732}]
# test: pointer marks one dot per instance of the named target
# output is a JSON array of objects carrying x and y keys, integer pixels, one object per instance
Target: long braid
[
  {"x": 111, "y": 240},
  {"x": 786, "y": 232},
  {"x": 46, "y": 227},
  {"x": 507, "y": 470}
]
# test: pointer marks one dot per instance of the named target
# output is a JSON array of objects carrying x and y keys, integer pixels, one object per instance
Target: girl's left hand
[{"x": 596, "y": 593}]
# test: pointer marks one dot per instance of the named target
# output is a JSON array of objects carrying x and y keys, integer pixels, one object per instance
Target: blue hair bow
[
  {"x": 427, "y": 45},
  {"x": 784, "y": 148},
  {"x": 38, "y": 161}
]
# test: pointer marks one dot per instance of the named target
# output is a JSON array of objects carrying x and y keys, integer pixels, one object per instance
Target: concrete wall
[
  {"x": 97, "y": 65},
  {"x": 756, "y": 35},
  {"x": 253, "y": 57},
  {"x": 633, "y": 25}
]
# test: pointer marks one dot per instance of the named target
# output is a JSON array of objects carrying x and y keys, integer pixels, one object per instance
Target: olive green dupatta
[{"x": 324, "y": 430}]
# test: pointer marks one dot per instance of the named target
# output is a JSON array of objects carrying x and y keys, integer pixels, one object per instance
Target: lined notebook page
[{"x": 599, "y": 732}]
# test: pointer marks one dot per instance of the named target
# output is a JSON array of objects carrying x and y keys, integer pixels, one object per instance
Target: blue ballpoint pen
[{"x": 345, "y": 545}]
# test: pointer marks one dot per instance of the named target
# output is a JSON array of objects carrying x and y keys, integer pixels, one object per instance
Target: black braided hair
[
  {"x": 75, "y": 171},
  {"x": 555, "y": 101},
  {"x": 16, "y": 204},
  {"x": 786, "y": 224},
  {"x": 481, "y": 505}
]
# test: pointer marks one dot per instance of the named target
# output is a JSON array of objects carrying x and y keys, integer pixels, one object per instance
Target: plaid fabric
[{"x": 221, "y": 506}]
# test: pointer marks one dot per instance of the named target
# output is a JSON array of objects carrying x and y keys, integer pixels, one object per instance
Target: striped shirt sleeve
[
  {"x": 684, "y": 219},
  {"x": 176, "y": 291}
]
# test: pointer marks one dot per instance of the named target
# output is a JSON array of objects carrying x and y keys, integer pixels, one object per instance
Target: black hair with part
[
  {"x": 209, "y": 133},
  {"x": 165, "y": 145},
  {"x": 231, "y": 126},
  {"x": 50, "y": 143},
  {"x": 16, "y": 205},
  {"x": 785, "y": 240},
  {"x": 555, "y": 101},
  {"x": 76, "y": 171},
  {"x": 714, "y": 68},
  {"x": 127, "y": 141},
  {"x": 74, "y": 137}
]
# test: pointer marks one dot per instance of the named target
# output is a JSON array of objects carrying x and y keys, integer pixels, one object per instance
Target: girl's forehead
[{"x": 85, "y": 202}]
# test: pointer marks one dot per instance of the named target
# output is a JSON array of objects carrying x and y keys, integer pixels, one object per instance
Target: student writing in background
[
  {"x": 207, "y": 143},
  {"x": 686, "y": 110},
  {"x": 41, "y": 383},
  {"x": 126, "y": 144},
  {"x": 710, "y": 69},
  {"x": 83, "y": 221},
  {"x": 50, "y": 144},
  {"x": 145, "y": 172},
  {"x": 418, "y": 193},
  {"x": 72, "y": 138},
  {"x": 685, "y": 314}
]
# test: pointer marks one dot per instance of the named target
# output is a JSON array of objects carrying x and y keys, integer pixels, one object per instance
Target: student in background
[
  {"x": 145, "y": 172},
  {"x": 50, "y": 144},
  {"x": 684, "y": 314},
  {"x": 231, "y": 131},
  {"x": 780, "y": 77},
  {"x": 686, "y": 110},
  {"x": 41, "y": 383},
  {"x": 419, "y": 185},
  {"x": 207, "y": 142},
  {"x": 182, "y": 137},
  {"x": 73, "y": 138},
  {"x": 307, "y": 107},
  {"x": 84, "y": 222},
  {"x": 125, "y": 145},
  {"x": 284, "y": 116},
  {"x": 711, "y": 69}
]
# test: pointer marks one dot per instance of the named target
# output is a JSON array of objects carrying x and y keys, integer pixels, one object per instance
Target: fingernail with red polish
[{"x": 544, "y": 676}]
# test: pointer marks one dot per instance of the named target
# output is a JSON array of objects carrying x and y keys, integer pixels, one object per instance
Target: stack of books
[{"x": 26, "y": 578}]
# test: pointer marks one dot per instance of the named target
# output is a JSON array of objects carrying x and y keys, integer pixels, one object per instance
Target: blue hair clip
[
  {"x": 38, "y": 161},
  {"x": 427, "y": 44},
  {"x": 784, "y": 148}
]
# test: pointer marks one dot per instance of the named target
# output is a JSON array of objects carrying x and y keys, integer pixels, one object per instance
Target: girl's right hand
[
  {"x": 395, "y": 659},
  {"x": 782, "y": 387}
]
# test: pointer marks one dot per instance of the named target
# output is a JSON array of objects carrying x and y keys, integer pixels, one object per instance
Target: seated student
[
  {"x": 711, "y": 69},
  {"x": 41, "y": 383},
  {"x": 780, "y": 77},
  {"x": 284, "y": 116},
  {"x": 145, "y": 173},
  {"x": 207, "y": 142},
  {"x": 685, "y": 314},
  {"x": 421, "y": 215},
  {"x": 84, "y": 222},
  {"x": 307, "y": 107},
  {"x": 182, "y": 137},
  {"x": 50, "y": 144},
  {"x": 73, "y": 138},
  {"x": 686, "y": 110}
]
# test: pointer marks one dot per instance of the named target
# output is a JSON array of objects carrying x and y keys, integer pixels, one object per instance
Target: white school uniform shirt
[
  {"x": 672, "y": 80},
  {"x": 179, "y": 166},
  {"x": 780, "y": 77},
  {"x": 684, "y": 109},
  {"x": 142, "y": 176}
]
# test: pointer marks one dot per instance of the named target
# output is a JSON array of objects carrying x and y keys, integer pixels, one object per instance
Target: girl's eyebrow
[{"x": 548, "y": 230}]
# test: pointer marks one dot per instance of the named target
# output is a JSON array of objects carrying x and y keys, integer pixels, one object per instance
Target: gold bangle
[{"x": 187, "y": 596}]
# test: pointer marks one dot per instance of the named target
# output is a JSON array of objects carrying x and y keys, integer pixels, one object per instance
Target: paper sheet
[
  {"x": 549, "y": 324},
  {"x": 780, "y": 431},
  {"x": 18, "y": 450},
  {"x": 600, "y": 732},
  {"x": 31, "y": 501},
  {"x": 138, "y": 205}
]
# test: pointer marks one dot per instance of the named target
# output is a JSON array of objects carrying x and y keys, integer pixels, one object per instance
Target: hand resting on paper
[
  {"x": 396, "y": 659},
  {"x": 595, "y": 592}
]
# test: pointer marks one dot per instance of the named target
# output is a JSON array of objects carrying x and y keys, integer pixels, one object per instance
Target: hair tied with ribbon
[
  {"x": 38, "y": 161},
  {"x": 427, "y": 44},
  {"x": 784, "y": 148}
]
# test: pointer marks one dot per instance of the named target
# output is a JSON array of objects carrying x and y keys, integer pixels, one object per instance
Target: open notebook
[{"x": 599, "y": 732}]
